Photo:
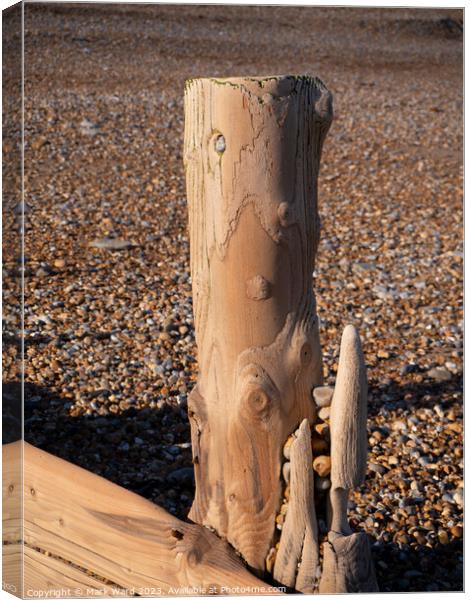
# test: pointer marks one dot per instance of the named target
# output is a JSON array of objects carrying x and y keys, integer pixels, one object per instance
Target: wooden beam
[
  {"x": 99, "y": 535},
  {"x": 46, "y": 573}
]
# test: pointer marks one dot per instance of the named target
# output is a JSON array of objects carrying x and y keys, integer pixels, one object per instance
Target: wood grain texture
[
  {"x": 299, "y": 537},
  {"x": 252, "y": 152},
  {"x": 348, "y": 428},
  {"x": 348, "y": 415},
  {"x": 347, "y": 561},
  {"x": 45, "y": 573},
  {"x": 114, "y": 535},
  {"x": 347, "y": 566},
  {"x": 12, "y": 561}
]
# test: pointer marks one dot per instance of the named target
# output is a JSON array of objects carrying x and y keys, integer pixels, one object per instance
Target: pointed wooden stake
[
  {"x": 348, "y": 427},
  {"x": 347, "y": 562},
  {"x": 299, "y": 538}
]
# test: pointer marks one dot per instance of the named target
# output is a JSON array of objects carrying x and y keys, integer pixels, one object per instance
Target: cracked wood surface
[
  {"x": 99, "y": 536},
  {"x": 252, "y": 151}
]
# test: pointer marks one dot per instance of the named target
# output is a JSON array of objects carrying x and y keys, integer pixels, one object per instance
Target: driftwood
[
  {"x": 348, "y": 415},
  {"x": 92, "y": 537}
]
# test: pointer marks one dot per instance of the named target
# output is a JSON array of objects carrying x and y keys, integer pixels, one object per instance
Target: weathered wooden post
[{"x": 252, "y": 153}]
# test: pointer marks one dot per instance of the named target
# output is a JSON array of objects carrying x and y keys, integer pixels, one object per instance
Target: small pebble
[
  {"x": 286, "y": 472},
  {"x": 322, "y": 465},
  {"x": 376, "y": 468},
  {"x": 287, "y": 445},
  {"x": 456, "y": 531},
  {"x": 439, "y": 374},
  {"x": 111, "y": 244},
  {"x": 322, "y": 483},
  {"x": 323, "y": 396},
  {"x": 458, "y": 497},
  {"x": 323, "y": 430}
]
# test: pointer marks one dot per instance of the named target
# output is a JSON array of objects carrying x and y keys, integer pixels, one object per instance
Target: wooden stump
[{"x": 252, "y": 152}]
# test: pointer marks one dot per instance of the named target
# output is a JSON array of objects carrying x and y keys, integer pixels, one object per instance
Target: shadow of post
[{"x": 141, "y": 450}]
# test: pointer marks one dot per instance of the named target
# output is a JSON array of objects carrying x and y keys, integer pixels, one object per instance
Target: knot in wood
[
  {"x": 305, "y": 354},
  {"x": 258, "y": 288},
  {"x": 193, "y": 557},
  {"x": 219, "y": 144},
  {"x": 259, "y": 400},
  {"x": 284, "y": 213},
  {"x": 176, "y": 533}
]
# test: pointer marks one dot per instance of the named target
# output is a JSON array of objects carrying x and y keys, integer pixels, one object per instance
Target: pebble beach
[{"x": 110, "y": 354}]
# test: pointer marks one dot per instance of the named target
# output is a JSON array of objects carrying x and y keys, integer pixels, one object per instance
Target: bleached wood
[
  {"x": 347, "y": 562},
  {"x": 299, "y": 537},
  {"x": 348, "y": 415},
  {"x": 115, "y": 534},
  {"x": 252, "y": 152},
  {"x": 348, "y": 427}
]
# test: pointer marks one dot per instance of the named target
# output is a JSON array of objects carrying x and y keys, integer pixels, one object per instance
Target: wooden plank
[
  {"x": 11, "y": 492},
  {"x": 12, "y": 557},
  {"x": 119, "y": 536}
]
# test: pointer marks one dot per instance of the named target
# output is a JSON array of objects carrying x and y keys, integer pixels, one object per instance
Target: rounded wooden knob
[{"x": 259, "y": 400}]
